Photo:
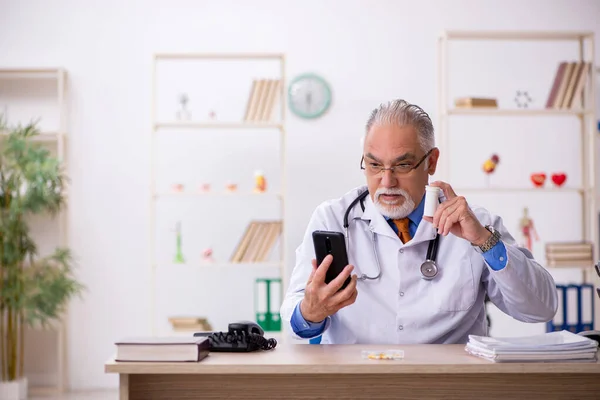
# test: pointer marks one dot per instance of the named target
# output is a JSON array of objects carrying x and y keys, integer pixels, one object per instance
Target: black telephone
[{"x": 243, "y": 336}]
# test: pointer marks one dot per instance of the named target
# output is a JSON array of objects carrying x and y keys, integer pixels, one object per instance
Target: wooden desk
[{"x": 302, "y": 371}]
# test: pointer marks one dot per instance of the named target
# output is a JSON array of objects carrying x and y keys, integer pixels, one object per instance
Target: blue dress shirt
[{"x": 495, "y": 257}]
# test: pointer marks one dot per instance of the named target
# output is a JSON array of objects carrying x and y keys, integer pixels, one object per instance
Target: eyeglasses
[{"x": 403, "y": 168}]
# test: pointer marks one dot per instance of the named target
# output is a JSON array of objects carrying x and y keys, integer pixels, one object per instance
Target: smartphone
[{"x": 333, "y": 243}]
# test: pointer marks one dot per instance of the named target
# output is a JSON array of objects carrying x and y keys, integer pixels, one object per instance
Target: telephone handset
[{"x": 243, "y": 336}]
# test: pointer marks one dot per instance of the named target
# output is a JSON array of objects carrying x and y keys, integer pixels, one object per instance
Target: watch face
[{"x": 309, "y": 96}]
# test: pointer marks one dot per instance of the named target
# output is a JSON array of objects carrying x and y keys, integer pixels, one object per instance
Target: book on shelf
[
  {"x": 560, "y": 346},
  {"x": 568, "y": 85},
  {"x": 565, "y": 247},
  {"x": 162, "y": 349},
  {"x": 189, "y": 323},
  {"x": 569, "y": 263},
  {"x": 261, "y": 101},
  {"x": 475, "y": 102},
  {"x": 257, "y": 242}
]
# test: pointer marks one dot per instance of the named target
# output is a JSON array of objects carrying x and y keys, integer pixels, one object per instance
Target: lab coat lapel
[
  {"x": 377, "y": 222},
  {"x": 424, "y": 233}
]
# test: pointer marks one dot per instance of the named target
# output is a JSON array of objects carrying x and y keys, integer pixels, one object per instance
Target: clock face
[{"x": 309, "y": 96}]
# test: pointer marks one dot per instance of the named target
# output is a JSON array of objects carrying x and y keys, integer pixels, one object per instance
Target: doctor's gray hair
[{"x": 400, "y": 112}]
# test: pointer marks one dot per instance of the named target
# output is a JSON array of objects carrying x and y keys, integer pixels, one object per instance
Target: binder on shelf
[
  {"x": 267, "y": 303},
  {"x": 260, "y": 302},
  {"x": 275, "y": 295},
  {"x": 575, "y": 309}
]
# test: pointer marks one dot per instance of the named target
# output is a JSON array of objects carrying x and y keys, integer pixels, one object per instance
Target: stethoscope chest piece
[{"x": 429, "y": 269}]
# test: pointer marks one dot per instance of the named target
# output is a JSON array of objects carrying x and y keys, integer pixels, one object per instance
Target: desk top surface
[{"x": 347, "y": 359}]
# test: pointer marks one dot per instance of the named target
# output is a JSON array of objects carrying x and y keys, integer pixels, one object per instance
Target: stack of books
[
  {"x": 562, "y": 346},
  {"x": 569, "y": 254}
]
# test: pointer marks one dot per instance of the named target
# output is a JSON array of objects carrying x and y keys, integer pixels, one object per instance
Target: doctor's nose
[{"x": 388, "y": 179}]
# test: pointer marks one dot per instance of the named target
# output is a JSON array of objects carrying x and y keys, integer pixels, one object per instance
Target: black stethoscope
[{"x": 429, "y": 268}]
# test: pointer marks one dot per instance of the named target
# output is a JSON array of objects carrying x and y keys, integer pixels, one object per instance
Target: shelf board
[
  {"x": 215, "y": 264},
  {"x": 228, "y": 56},
  {"x": 217, "y": 125},
  {"x": 46, "y": 137},
  {"x": 30, "y": 73},
  {"x": 515, "y": 112},
  {"x": 44, "y": 390},
  {"x": 569, "y": 264},
  {"x": 517, "y": 35},
  {"x": 216, "y": 194},
  {"x": 523, "y": 189}
]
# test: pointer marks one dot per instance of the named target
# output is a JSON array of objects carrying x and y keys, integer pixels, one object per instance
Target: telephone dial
[{"x": 243, "y": 336}]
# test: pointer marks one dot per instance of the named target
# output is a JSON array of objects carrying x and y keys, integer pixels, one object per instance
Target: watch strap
[{"x": 492, "y": 240}]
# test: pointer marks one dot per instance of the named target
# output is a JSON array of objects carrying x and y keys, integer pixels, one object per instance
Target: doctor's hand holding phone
[{"x": 330, "y": 286}]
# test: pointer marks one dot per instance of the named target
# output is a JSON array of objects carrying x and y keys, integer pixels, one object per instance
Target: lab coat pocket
[{"x": 454, "y": 288}]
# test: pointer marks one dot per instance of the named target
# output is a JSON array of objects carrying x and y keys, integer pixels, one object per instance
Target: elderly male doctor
[{"x": 476, "y": 254}]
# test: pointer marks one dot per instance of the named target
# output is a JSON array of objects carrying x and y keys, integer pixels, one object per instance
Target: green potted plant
[{"x": 34, "y": 289}]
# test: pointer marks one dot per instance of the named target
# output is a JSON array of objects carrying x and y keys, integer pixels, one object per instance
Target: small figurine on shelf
[
  {"x": 183, "y": 113},
  {"x": 212, "y": 115},
  {"x": 231, "y": 187},
  {"x": 522, "y": 99},
  {"x": 538, "y": 179},
  {"x": 178, "y": 253},
  {"x": 528, "y": 230},
  {"x": 207, "y": 255},
  {"x": 559, "y": 178},
  {"x": 260, "y": 182},
  {"x": 178, "y": 187},
  {"x": 489, "y": 166},
  {"x": 204, "y": 188}
]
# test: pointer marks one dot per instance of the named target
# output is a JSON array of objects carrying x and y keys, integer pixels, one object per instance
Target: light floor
[{"x": 99, "y": 395}]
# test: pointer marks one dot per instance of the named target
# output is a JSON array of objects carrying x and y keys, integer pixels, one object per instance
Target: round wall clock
[{"x": 309, "y": 96}]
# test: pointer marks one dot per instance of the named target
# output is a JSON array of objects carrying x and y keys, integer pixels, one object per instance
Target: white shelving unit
[
  {"x": 584, "y": 42},
  {"x": 55, "y": 379},
  {"x": 162, "y": 128}
]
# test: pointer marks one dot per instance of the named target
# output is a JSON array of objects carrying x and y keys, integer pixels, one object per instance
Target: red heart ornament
[
  {"x": 538, "y": 179},
  {"x": 559, "y": 178}
]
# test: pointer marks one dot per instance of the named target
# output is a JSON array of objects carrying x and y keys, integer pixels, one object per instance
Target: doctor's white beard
[{"x": 393, "y": 211}]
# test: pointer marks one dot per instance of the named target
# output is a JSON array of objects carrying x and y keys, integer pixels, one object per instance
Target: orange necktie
[{"x": 403, "y": 232}]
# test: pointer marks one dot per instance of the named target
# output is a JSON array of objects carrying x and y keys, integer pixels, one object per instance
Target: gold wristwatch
[{"x": 491, "y": 242}]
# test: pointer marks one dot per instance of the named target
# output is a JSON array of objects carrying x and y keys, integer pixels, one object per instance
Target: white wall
[{"x": 370, "y": 51}]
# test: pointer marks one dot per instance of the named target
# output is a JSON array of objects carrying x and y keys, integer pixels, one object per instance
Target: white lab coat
[{"x": 401, "y": 307}]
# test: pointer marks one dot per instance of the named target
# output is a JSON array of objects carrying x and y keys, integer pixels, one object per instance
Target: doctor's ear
[{"x": 432, "y": 161}]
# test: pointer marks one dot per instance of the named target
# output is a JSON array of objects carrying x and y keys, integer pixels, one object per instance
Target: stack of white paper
[{"x": 562, "y": 346}]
